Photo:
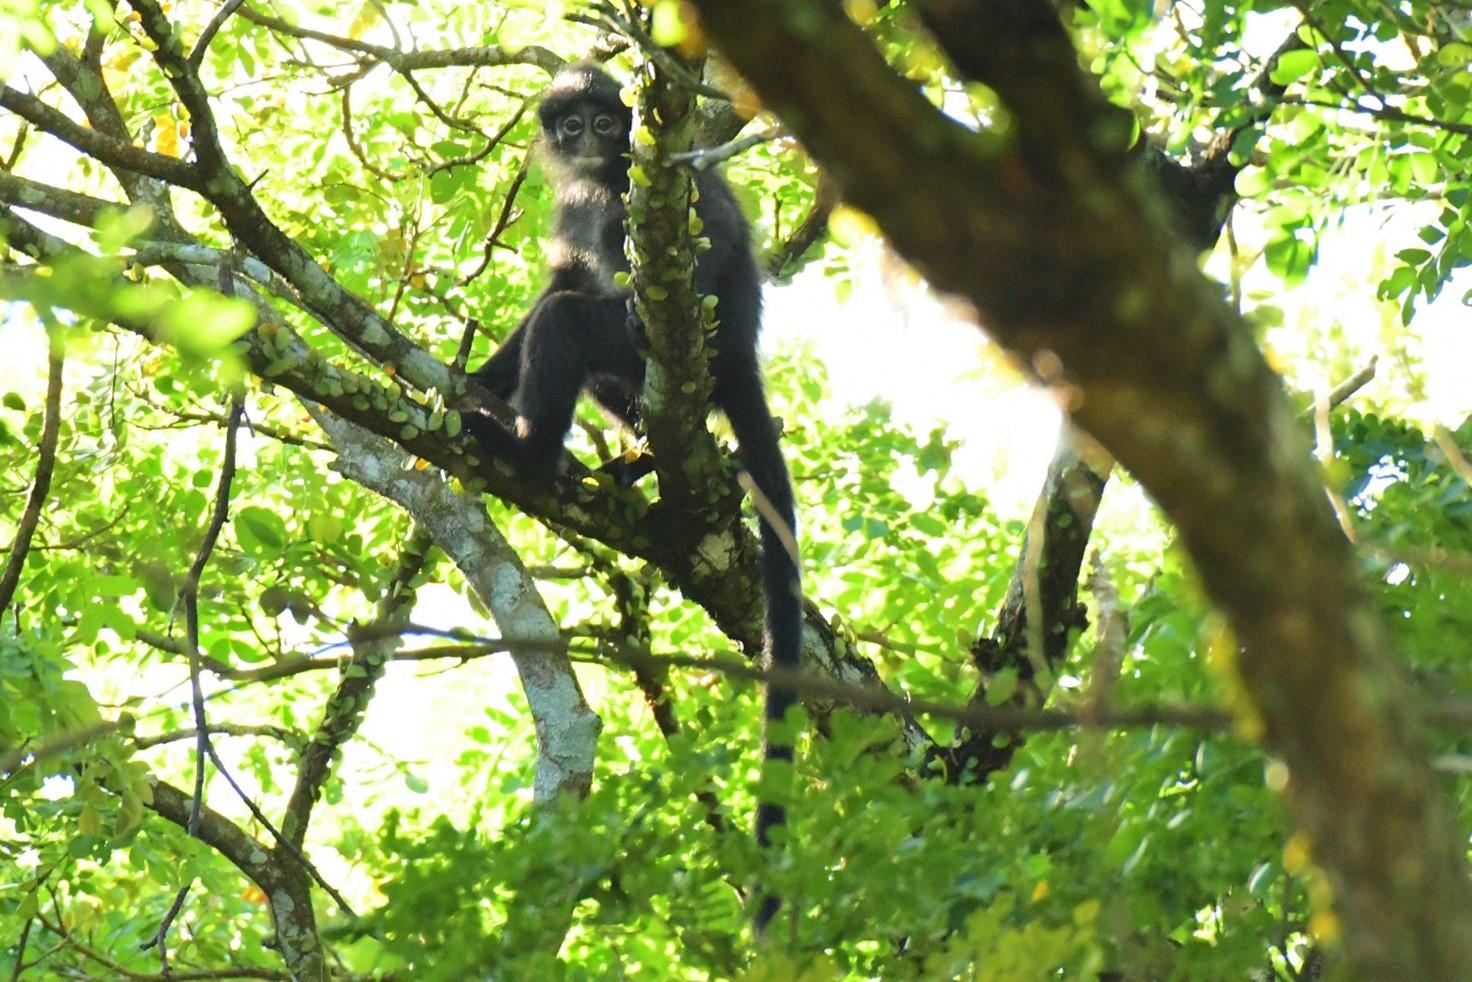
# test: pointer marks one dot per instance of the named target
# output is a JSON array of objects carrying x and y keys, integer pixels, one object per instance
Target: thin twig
[
  {"x": 492, "y": 141},
  {"x": 20, "y": 949},
  {"x": 484, "y": 56},
  {"x": 1303, "y": 7},
  {"x": 619, "y": 24},
  {"x": 225, "y": 729},
  {"x": 45, "y": 465},
  {"x": 11, "y": 760},
  {"x": 1340, "y": 393},
  {"x": 1384, "y": 113},
  {"x": 121, "y": 972},
  {"x": 355, "y": 147},
  {"x": 15, "y": 148},
  {"x": 503, "y": 220},
  {"x": 710, "y": 156},
  {"x": 196, "y": 57},
  {"x": 189, "y": 599}
]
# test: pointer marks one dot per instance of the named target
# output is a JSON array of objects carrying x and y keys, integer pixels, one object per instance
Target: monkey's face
[{"x": 588, "y": 136}]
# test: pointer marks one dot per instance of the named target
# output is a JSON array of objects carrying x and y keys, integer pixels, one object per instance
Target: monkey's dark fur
[{"x": 582, "y": 336}]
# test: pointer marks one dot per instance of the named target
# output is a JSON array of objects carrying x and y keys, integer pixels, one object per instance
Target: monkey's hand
[{"x": 632, "y": 319}]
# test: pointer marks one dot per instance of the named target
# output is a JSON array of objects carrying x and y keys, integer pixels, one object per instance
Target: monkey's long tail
[{"x": 781, "y": 586}]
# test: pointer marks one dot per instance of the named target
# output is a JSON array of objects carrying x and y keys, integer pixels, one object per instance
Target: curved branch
[{"x": 567, "y": 729}]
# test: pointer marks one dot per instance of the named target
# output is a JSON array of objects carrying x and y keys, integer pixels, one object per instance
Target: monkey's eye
[
  {"x": 605, "y": 125},
  {"x": 572, "y": 126}
]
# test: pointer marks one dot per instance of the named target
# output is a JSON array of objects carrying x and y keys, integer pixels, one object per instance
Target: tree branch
[
  {"x": 405, "y": 61},
  {"x": 45, "y": 465},
  {"x": 1058, "y": 249},
  {"x": 196, "y": 57},
  {"x": 349, "y": 702},
  {"x": 189, "y": 600},
  {"x": 113, "y": 152},
  {"x": 567, "y": 729}
]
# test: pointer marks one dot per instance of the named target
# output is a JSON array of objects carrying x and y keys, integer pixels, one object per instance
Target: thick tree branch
[
  {"x": 1040, "y": 616},
  {"x": 69, "y": 206},
  {"x": 567, "y": 729},
  {"x": 243, "y": 851},
  {"x": 115, "y": 153},
  {"x": 677, "y": 386},
  {"x": 1052, "y": 238}
]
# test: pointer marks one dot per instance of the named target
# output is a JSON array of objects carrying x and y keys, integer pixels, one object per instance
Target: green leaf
[
  {"x": 1289, "y": 257},
  {"x": 260, "y": 530},
  {"x": 1294, "y": 65}
]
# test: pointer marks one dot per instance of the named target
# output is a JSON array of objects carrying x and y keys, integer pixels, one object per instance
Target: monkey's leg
[
  {"x": 570, "y": 339},
  {"x": 499, "y": 372}
]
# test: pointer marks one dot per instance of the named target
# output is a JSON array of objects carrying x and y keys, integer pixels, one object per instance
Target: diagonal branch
[
  {"x": 1060, "y": 250},
  {"x": 348, "y": 315},
  {"x": 567, "y": 729},
  {"x": 372, "y": 649},
  {"x": 45, "y": 465},
  {"x": 196, "y": 57},
  {"x": 112, "y": 151}
]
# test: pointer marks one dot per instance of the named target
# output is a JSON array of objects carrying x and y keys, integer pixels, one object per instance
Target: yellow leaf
[
  {"x": 1274, "y": 358},
  {"x": 850, "y": 226},
  {"x": 366, "y": 18},
  {"x": 1040, "y": 891},
  {"x": 1324, "y": 926},
  {"x": 1295, "y": 854},
  {"x": 166, "y": 140}
]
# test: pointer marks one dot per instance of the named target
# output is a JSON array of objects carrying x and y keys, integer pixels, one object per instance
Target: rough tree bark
[{"x": 1057, "y": 240}]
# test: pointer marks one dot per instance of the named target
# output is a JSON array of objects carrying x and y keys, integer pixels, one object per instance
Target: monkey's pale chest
[{"x": 589, "y": 244}]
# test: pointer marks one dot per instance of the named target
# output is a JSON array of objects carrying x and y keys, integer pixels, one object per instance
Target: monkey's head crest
[{"x": 583, "y": 81}]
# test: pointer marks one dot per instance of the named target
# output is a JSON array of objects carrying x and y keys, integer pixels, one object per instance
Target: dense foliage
[{"x": 180, "y": 564}]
